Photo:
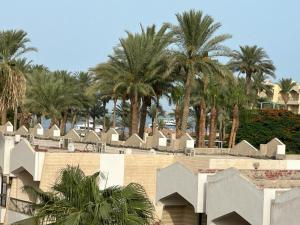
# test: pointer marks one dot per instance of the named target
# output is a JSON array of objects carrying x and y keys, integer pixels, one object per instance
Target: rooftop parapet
[
  {"x": 7, "y": 128},
  {"x": 23, "y": 131},
  {"x": 53, "y": 132}
]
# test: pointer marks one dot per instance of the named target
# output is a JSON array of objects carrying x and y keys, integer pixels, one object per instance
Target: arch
[{"x": 232, "y": 218}]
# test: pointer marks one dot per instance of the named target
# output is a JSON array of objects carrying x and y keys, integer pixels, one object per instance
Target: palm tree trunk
[
  {"x": 15, "y": 118},
  {"x": 104, "y": 114},
  {"x": 197, "y": 116},
  {"x": 145, "y": 105},
  {"x": 202, "y": 121},
  {"x": 87, "y": 122},
  {"x": 4, "y": 115},
  {"x": 248, "y": 83},
  {"x": 114, "y": 113},
  {"x": 177, "y": 119},
  {"x": 94, "y": 122},
  {"x": 73, "y": 120},
  {"x": 186, "y": 102},
  {"x": 53, "y": 121},
  {"x": 235, "y": 131},
  {"x": 234, "y": 126},
  {"x": 212, "y": 128},
  {"x": 134, "y": 114},
  {"x": 63, "y": 123}
]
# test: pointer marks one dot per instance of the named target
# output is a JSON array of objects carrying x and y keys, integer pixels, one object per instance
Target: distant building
[{"x": 276, "y": 98}]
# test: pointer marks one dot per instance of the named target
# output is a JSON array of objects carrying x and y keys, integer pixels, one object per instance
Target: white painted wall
[
  {"x": 293, "y": 164},
  {"x": 269, "y": 195},
  {"x": 6, "y": 144},
  {"x": 178, "y": 179},
  {"x": 112, "y": 167},
  {"x": 24, "y": 156},
  {"x": 13, "y": 216},
  {"x": 228, "y": 192}
]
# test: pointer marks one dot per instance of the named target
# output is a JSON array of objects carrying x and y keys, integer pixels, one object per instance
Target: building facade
[{"x": 238, "y": 186}]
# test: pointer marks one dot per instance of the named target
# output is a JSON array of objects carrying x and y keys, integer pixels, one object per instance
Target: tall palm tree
[
  {"x": 76, "y": 199},
  {"x": 236, "y": 98},
  {"x": 13, "y": 44},
  {"x": 154, "y": 112},
  {"x": 136, "y": 62},
  {"x": 286, "y": 85},
  {"x": 195, "y": 37},
  {"x": 250, "y": 60},
  {"x": 51, "y": 95},
  {"x": 23, "y": 67},
  {"x": 177, "y": 99}
]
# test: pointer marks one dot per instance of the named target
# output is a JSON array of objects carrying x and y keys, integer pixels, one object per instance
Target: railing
[{"x": 20, "y": 206}]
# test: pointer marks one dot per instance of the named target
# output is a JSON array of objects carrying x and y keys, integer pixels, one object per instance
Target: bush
[{"x": 260, "y": 126}]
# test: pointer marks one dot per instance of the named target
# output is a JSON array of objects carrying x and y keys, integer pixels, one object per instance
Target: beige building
[
  {"x": 237, "y": 186},
  {"x": 294, "y": 98}
]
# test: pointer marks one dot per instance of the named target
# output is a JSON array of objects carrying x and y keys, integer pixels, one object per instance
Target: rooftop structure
[{"x": 237, "y": 186}]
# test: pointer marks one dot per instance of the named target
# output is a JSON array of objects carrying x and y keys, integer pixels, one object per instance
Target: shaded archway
[
  {"x": 178, "y": 211},
  {"x": 231, "y": 219}
]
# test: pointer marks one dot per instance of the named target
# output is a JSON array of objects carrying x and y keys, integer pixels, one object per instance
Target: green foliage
[
  {"x": 13, "y": 45},
  {"x": 259, "y": 127},
  {"x": 76, "y": 199}
]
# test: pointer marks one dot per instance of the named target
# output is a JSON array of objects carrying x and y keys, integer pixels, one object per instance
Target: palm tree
[
  {"x": 13, "y": 44},
  {"x": 236, "y": 98},
  {"x": 154, "y": 112},
  {"x": 123, "y": 116},
  {"x": 52, "y": 95},
  {"x": 177, "y": 99},
  {"x": 260, "y": 85},
  {"x": 76, "y": 199},
  {"x": 195, "y": 36},
  {"x": 23, "y": 67},
  {"x": 286, "y": 85},
  {"x": 135, "y": 63},
  {"x": 250, "y": 60}
]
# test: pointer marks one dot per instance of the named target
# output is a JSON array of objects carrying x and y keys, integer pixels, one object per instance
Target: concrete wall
[
  {"x": 244, "y": 148},
  {"x": 73, "y": 135},
  {"x": 92, "y": 137},
  {"x": 13, "y": 217},
  {"x": 285, "y": 208},
  {"x": 134, "y": 141},
  {"x": 24, "y": 157},
  {"x": 185, "y": 183},
  {"x": 6, "y": 144},
  {"x": 228, "y": 192}
]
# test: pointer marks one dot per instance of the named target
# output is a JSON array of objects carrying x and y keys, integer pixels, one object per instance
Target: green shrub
[{"x": 260, "y": 126}]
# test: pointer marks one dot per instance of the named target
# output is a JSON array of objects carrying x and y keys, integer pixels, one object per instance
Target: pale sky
[{"x": 76, "y": 34}]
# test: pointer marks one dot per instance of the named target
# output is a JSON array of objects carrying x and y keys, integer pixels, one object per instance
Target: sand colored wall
[
  {"x": 142, "y": 169},
  {"x": 55, "y": 162}
]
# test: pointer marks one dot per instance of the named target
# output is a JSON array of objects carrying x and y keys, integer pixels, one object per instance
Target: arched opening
[
  {"x": 23, "y": 178},
  {"x": 178, "y": 211},
  {"x": 231, "y": 219},
  {"x": 294, "y": 95}
]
